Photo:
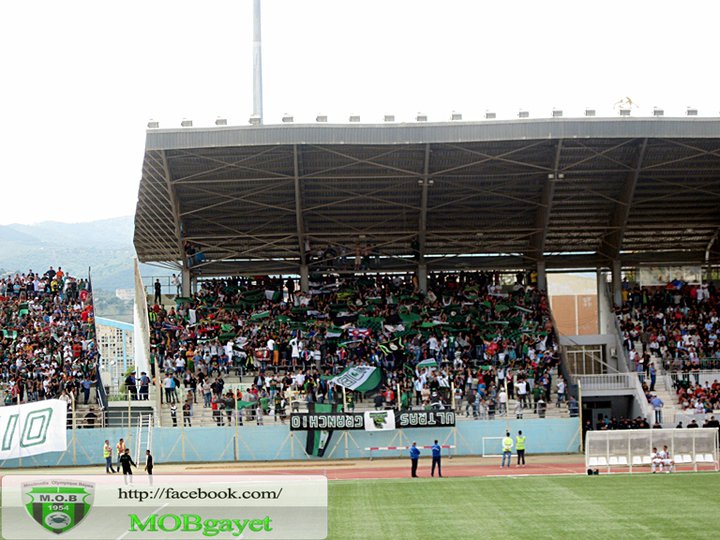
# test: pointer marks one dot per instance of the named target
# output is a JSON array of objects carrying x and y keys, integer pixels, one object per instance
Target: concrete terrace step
[{"x": 203, "y": 416}]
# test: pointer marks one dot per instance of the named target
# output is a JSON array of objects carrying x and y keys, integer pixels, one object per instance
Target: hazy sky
[{"x": 80, "y": 79}]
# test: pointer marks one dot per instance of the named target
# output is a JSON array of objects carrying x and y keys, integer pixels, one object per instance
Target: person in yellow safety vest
[
  {"x": 107, "y": 454},
  {"x": 520, "y": 447},
  {"x": 507, "y": 446}
]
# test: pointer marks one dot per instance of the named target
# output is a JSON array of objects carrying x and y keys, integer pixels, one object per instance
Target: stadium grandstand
[
  {"x": 418, "y": 253},
  {"x": 488, "y": 207}
]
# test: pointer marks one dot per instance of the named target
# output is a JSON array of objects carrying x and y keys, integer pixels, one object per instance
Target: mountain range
[{"x": 105, "y": 246}]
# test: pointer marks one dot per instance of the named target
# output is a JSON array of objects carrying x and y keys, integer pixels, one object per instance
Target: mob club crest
[{"x": 58, "y": 505}]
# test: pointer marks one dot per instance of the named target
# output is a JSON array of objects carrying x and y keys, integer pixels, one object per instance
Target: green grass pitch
[{"x": 684, "y": 505}]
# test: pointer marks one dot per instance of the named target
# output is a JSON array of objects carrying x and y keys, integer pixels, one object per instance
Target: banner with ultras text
[
  {"x": 164, "y": 507},
  {"x": 371, "y": 420}
]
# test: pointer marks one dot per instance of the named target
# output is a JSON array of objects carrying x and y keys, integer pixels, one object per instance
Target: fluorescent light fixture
[{"x": 186, "y": 123}]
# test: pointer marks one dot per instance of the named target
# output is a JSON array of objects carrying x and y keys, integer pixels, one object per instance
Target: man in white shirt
[
  {"x": 295, "y": 347},
  {"x": 419, "y": 384},
  {"x": 560, "y": 392},
  {"x": 655, "y": 461},
  {"x": 667, "y": 462},
  {"x": 522, "y": 391},
  {"x": 433, "y": 347},
  {"x": 502, "y": 401}
]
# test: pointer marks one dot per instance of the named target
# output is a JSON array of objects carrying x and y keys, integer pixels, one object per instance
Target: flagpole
[
  {"x": 19, "y": 427},
  {"x": 507, "y": 419},
  {"x": 344, "y": 400},
  {"x": 237, "y": 414},
  {"x": 74, "y": 428}
]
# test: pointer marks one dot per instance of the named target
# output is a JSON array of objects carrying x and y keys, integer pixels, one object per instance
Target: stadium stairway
[{"x": 664, "y": 390}]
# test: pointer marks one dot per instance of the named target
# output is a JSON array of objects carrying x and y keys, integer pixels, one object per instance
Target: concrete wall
[
  {"x": 277, "y": 442},
  {"x": 575, "y": 315}
]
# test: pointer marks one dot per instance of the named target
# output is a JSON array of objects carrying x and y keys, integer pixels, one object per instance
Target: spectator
[
  {"x": 158, "y": 292},
  {"x": 175, "y": 281},
  {"x": 657, "y": 405}
]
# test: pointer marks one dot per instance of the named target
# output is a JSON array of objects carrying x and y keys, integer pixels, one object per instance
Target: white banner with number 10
[{"x": 33, "y": 428}]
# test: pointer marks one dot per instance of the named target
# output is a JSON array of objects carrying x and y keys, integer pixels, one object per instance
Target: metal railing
[
  {"x": 143, "y": 439},
  {"x": 609, "y": 381},
  {"x": 621, "y": 353},
  {"x": 629, "y": 382},
  {"x": 700, "y": 376},
  {"x": 645, "y": 407},
  {"x": 167, "y": 288}
]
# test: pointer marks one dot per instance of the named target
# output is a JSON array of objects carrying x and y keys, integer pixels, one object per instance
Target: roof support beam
[
  {"x": 422, "y": 222},
  {"x": 175, "y": 205},
  {"x": 299, "y": 221},
  {"x": 613, "y": 240},
  {"x": 542, "y": 217}
]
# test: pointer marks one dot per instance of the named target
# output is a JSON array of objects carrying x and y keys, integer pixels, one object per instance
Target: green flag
[
  {"x": 240, "y": 404},
  {"x": 430, "y": 363},
  {"x": 359, "y": 378}
]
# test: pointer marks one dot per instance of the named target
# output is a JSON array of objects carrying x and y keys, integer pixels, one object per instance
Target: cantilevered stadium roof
[{"x": 576, "y": 193}]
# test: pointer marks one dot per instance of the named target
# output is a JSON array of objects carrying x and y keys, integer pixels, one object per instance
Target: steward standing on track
[
  {"x": 436, "y": 459},
  {"x": 414, "y": 456},
  {"x": 520, "y": 447},
  {"x": 507, "y": 445},
  {"x": 107, "y": 454}
]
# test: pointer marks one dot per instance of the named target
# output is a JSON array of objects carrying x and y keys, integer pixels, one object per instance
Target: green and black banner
[
  {"x": 317, "y": 437},
  {"x": 327, "y": 421}
]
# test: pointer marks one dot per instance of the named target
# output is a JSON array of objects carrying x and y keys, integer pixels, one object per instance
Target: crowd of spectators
[
  {"x": 677, "y": 325},
  {"x": 699, "y": 398},
  {"x": 47, "y": 347},
  {"x": 489, "y": 342}
]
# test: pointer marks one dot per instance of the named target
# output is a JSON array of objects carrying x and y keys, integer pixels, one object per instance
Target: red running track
[{"x": 449, "y": 470}]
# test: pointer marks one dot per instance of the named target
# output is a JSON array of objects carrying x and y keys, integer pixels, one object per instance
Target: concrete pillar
[
  {"x": 541, "y": 276},
  {"x": 185, "y": 281},
  {"x": 422, "y": 277},
  {"x": 304, "y": 278},
  {"x": 617, "y": 283},
  {"x": 601, "y": 303}
]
